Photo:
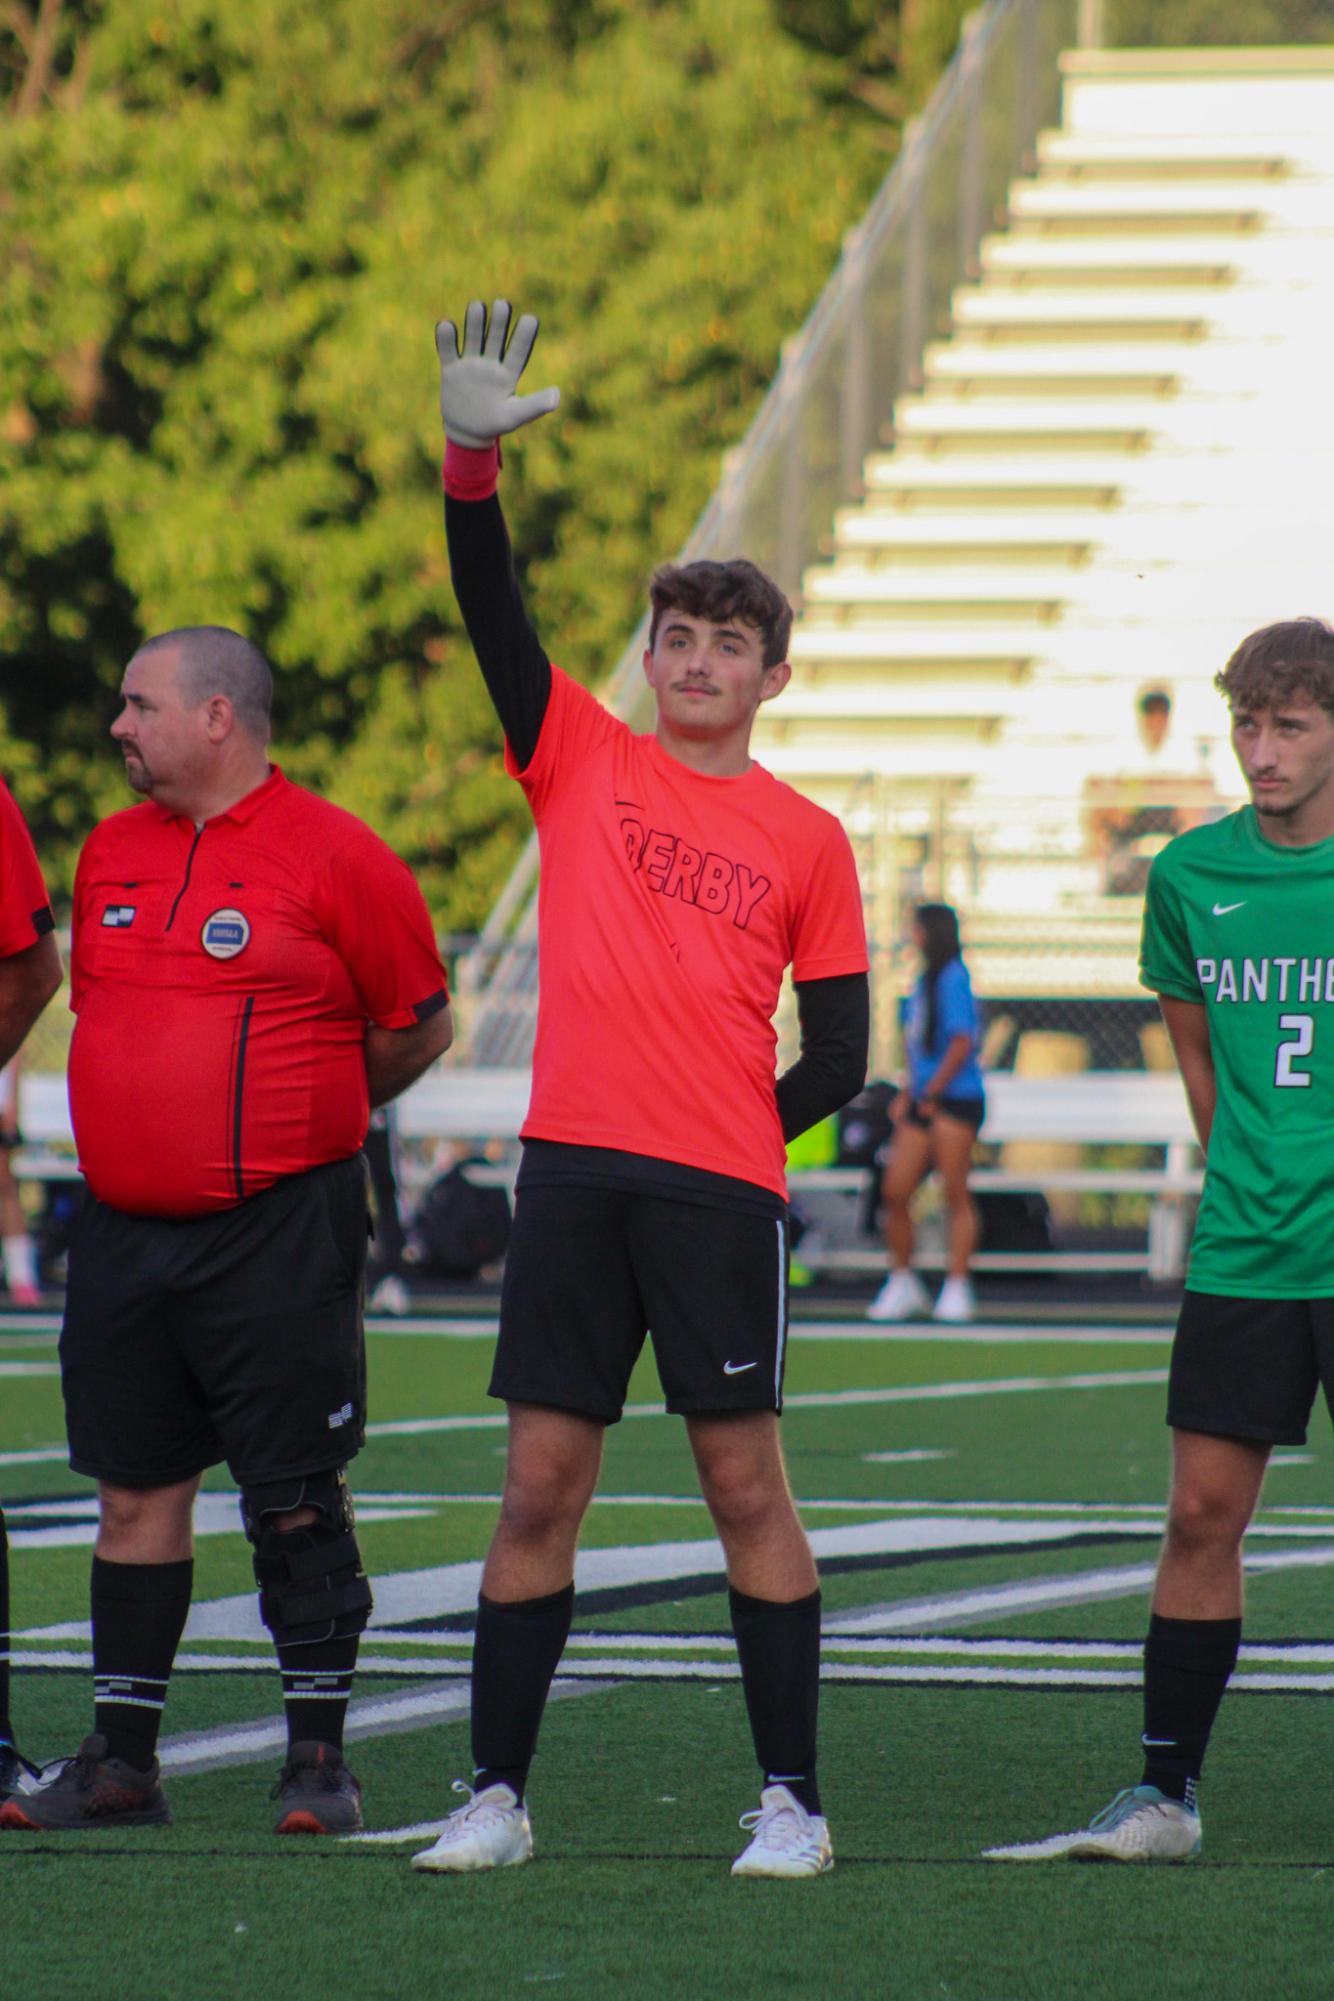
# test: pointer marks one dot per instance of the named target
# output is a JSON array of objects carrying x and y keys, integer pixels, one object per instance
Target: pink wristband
[{"x": 469, "y": 474}]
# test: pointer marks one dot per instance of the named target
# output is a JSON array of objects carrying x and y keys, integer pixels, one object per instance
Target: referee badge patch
[
  {"x": 119, "y": 916},
  {"x": 225, "y": 933}
]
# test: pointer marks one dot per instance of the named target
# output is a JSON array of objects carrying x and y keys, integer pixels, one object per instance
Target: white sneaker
[
  {"x": 786, "y": 1841},
  {"x": 901, "y": 1297},
  {"x": 391, "y": 1295},
  {"x": 1140, "y": 1825},
  {"x": 489, "y": 1832},
  {"x": 956, "y": 1303}
]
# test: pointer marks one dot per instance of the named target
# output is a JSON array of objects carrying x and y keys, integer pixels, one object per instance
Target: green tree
[{"x": 227, "y": 227}]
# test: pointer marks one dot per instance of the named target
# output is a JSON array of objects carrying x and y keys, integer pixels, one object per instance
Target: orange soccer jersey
[{"x": 671, "y": 904}]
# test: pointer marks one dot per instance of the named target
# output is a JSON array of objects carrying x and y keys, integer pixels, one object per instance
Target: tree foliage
[{"x": 226, "y": 230}]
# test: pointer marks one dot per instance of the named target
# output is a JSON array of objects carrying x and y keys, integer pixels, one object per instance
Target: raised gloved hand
[{"x": 477, "y": 399}]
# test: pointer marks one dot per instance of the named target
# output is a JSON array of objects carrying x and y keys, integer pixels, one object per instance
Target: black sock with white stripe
[
  {"x": 139, "y": 1614},
  {"x": 317, "y": 1685},
  {"x": 779, "y": 1647}
]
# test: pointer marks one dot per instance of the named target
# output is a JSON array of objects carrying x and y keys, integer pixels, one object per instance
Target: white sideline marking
[
  {"x": 29, "y": 1368},
  {"x": 978, "y": 1333},
  {"x": 44, "y": 1327},
  {"x": 967, "y": 1608},
  {"x": 415, "y": 1427},
  {"x": 899, "y": 1459},
  {"x": 438, "y": 1591},
  {"x": 1114, "y": 1379},
  {"x": 413, "y": 1596},
  {"x": 215, "y": 1514},
  {"x": 423, "y": 1830},
  {"x": 194, "y": 1751}
]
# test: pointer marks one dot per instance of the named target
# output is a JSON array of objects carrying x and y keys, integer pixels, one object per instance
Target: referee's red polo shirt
[{"x": 223, "y": 977}]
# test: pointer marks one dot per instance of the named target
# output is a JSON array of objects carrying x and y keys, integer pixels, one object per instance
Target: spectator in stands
[
  {"x": 936, "y": 1116},
  {"x": 1157, "y": 790}
]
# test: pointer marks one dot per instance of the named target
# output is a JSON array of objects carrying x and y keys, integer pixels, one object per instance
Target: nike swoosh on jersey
[
  {"x": 1222, "y": 909},
  {"x": 736, "y": 1368}
]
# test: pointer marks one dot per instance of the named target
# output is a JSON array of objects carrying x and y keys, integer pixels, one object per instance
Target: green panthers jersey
[{"x": 1247, "y": 929}]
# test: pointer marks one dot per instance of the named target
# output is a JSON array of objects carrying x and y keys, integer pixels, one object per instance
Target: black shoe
[
  {"x": 91, "y": 1790},
  {"x": 319, "y": 1794},
  {"x": 13, "y": 1765}
]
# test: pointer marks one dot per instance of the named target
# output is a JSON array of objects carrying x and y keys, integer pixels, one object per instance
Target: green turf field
[{"x": 985, "y": 1505}]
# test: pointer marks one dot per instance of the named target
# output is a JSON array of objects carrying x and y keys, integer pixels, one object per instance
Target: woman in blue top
[{"x": 936, "y": 1119}]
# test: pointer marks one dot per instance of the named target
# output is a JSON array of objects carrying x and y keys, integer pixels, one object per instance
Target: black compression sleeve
[
  {"x": 514, "y": 664},
  {"x": 835, "y": 1019}
]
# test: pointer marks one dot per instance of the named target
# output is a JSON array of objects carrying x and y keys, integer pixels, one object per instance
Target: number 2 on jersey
[{"x": 1301, "y": 1028}]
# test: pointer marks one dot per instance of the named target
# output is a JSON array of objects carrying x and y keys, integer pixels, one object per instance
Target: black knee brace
[{"x": 311, "y": 1583}]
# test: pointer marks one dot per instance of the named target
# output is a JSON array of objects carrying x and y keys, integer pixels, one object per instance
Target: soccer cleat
[
  {"x": 90, "y": 1790},
  {"x": 1140, "y": 1825},
  {"x": 21, "y": 1294},
  {"x": 490, "y": 1831},
  {"x": 14, "y": 1768},
  {"x": 785, "y": 1840},
  {"x": 901, "y": 1297},
  {"x": 956, "y": 1303},
  {"x": 318, "y": 1792}
]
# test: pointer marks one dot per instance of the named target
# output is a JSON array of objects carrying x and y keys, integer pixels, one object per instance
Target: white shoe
[
  {"x": 901, "y": 1297},
  {"x": 956, "y": 1303},
  {"x": 391, "y": 1295},
  {"x": 489, "y": 1832},
  {"x": 1140, "y": 1825},
  {"x": 786, "y": 1840}
]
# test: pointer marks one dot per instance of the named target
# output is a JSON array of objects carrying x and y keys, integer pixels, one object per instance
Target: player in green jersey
[{"x": 1238, "y": 945}]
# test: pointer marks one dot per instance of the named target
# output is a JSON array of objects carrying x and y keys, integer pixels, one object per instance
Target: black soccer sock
[
  {"x": 6, "y": 1724},
  {"x": 139, "y": 1614},
  {"x": 514, "y": 1658},
  {"x": 1187, "y": 1664},
  {"x": 317, "y": 1686},
  {"x": 779, "y": 1646}
]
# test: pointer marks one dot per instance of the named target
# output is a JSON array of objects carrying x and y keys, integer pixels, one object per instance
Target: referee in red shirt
[
  {"x": 29, "y": 976},
  {"x": 679, "y": 881},
  {"x": 252, "y": 969}
]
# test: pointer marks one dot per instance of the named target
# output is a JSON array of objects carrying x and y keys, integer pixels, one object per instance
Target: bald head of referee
[{"x": 194, "y": 725}]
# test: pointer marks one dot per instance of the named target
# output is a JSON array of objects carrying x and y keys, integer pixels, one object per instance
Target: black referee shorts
[
  {"x": 590, "y": 1271},
  {"x": 236, "y": 1336},
  {"x": 1250, "y": 1368}
]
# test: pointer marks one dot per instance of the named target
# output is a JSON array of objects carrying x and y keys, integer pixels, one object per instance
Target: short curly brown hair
[
  {"x": 736, "y": 590},
  {"x": 1293, "y": 657}
]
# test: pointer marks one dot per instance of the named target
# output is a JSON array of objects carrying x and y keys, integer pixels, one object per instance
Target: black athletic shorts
[
  {"x": 235, "y": 1335},
  {"x": 969, "y": 1111},
  {"x": 590, "y": 1271},
  {"x": 1250, "y": 1368}
]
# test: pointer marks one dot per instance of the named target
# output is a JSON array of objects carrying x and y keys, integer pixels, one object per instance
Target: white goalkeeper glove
[{"x": 477, "y": 399}]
